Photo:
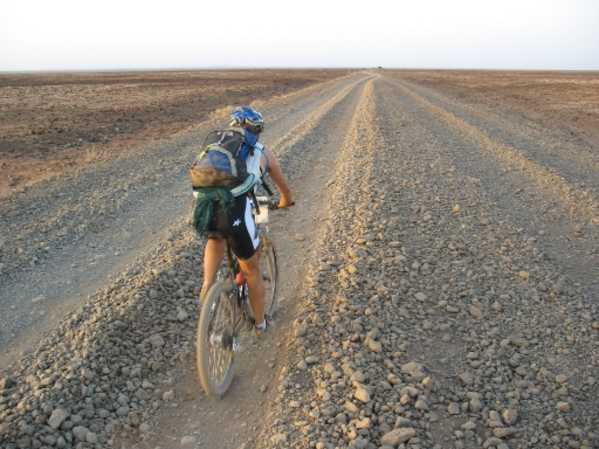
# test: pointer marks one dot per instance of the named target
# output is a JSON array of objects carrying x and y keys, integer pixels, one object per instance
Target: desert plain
[{"x": 439, "y": 271}]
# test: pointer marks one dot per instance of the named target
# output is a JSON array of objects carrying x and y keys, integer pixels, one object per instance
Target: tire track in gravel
[
  {"x": 565, "y": 234},
  {"x": 340, "y": 250},
  {"x": 425, "y": 325},
  {"x": 578, "y": 202},
  {"x": 504, "y": 327},
  {"x": 114, "y": 212},
  {"x": 110, "y": 366},
  {"x": 309, "y": 162},
  {"x": 291, "y": 138},
  {"x": 56, "y": 207},
  {"x": 560, "y": 151}
]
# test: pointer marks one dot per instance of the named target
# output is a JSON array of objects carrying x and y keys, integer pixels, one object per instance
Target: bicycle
[{"x": 226, "y": 310}]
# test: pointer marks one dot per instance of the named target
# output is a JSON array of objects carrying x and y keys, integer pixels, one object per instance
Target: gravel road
[
  {"x": 63, "y": 239},
  {"x": 453, "y": 300},
  {"x": 440, "y": 289}
]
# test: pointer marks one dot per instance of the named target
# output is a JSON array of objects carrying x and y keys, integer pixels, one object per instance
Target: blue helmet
[{"x": 248, "y": 118}]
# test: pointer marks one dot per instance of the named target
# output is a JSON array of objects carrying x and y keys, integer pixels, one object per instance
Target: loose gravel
[
  {"x": 91, "y": 224},
  {"x": 433, "y": 314},
  {"x": 108, "y": 367},
  {"x": 431, "y": 320}
]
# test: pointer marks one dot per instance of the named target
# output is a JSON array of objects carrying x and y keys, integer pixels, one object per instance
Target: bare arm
[{"x": 274, "y": 169}]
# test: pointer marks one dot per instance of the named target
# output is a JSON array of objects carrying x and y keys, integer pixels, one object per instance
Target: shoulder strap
[{"x": 246, "y": 186}]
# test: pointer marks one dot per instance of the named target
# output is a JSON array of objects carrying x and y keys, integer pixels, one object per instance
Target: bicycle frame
[
  {"x": 238, "y": 293},
  {"x": 241, "y": 307}
]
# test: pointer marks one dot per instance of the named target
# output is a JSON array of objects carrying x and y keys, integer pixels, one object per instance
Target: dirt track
[
  {"x": 56, "y": 123},
  {"x": 440, "y": 289}
]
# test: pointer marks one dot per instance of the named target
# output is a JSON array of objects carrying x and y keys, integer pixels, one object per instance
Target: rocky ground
[
  {"x": 440, "y": 292},
  {"x": 434, "y": 319},
  {"x": 63, "y": 238}
]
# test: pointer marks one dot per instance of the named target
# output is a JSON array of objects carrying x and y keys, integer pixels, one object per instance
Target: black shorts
[{"x": 238, "y": 227}]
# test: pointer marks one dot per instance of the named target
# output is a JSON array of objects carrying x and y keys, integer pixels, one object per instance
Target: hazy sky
[{"x": 88, "y": 34}]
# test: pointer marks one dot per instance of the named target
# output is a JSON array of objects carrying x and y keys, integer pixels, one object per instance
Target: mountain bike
[{"x": 226, "y": 310}]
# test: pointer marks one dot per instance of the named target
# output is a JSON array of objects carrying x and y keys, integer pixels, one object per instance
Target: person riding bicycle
[{"x": 238, "y": 226}]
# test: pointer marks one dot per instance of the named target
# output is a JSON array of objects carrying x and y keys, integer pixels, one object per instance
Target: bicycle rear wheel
[
  {"x": 270, "y": 275},
  {"x": 214, "y": 341}
]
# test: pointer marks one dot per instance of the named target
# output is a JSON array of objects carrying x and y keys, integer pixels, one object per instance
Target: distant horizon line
[{"x": 234, "y": 68}]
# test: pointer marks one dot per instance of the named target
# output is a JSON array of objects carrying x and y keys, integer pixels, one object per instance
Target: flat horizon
[{"x": 234, "y": 68}]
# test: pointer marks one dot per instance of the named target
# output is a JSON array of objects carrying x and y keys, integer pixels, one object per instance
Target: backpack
[{"x": 222, "y": 160}]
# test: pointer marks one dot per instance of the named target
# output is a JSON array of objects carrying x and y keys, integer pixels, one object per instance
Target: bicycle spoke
[{"x": 219, "y": 354}]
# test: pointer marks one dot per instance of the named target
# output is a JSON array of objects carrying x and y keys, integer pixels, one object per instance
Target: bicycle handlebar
[{"x": 272, "y": 205}]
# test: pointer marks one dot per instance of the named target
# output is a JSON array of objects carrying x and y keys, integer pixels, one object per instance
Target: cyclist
[{"x": 238, "y": 227}]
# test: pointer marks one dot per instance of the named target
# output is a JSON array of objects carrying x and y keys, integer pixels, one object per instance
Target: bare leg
[
  {"x": 213, "y": 256},
  {"x": 251, "y": 270}
]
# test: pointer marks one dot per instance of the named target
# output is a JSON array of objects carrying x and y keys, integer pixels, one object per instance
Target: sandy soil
[
  {"x": 567, "y": 100},
  {"x": 51, "y": 123}
]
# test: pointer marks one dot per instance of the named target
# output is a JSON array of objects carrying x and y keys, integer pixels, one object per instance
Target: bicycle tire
[
  {"x": 269, "y": 258},
  {"x": 211, "y": 305}
]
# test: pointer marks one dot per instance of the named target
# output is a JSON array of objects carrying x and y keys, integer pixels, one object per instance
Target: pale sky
[{"x": 117, "y": 34}]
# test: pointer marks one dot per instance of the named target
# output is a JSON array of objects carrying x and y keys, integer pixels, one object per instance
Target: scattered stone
[
  {"x": 278, "y": 438},
  {"x": 420, "y": 296},
  {"x": 351, "y": 407},
  {"x": 311, "y": 359},
  {"x": 452, "y": 309},
  {"x": 510, "y": 416},
  {"x": 398, "y": 436},
  {"x": 80, "y": 432},
  {"x": 564, "y": 406},
  {"x": 6, "y": 383},
  {"x": 363, "y": 423},
  {"x": 362, "y": 395},
  {"x": 427, "y": 384},
  {"x": 341, "y": 418},
  {"x": 156, "y": 341},
  {"x": 302, "y": 365},
  {"x": 421, "y": 405},
  {"x": 475, "y": 311},
  {"x": 494, "y": 419},
  {"x": 453, "y": 408},
  {"x": 466, "y": 378},
  {"x": 469, "y": 425},
  {"x": 188, "y": 440},
  {"x": 414, "y": 369},
  {"x": 57, "y": 417},
  {"x": 561, "y": 378},
  {"x": 373, "y": 345},
  {"x": 168, "y": 395},
  {"x": 503, "y": 432},
  {"x": 301, "y": 330},
  {"x": 91, "y": 438},
  {"x": 475, "y": 404},
  {"x": 182, "y": 315}
]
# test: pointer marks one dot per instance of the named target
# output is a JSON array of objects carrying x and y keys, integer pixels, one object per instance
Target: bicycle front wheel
[
  {"x": 270, "y": 275},
  {"x": 214, "y": 341}
]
